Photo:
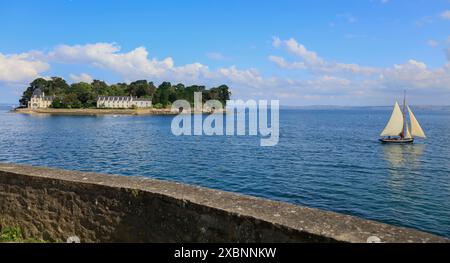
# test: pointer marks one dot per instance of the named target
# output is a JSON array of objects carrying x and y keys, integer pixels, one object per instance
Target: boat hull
[{"x": 396, "y": 140}]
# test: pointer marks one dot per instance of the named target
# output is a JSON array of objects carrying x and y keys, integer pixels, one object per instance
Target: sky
[{"x": 348, "y": 52}]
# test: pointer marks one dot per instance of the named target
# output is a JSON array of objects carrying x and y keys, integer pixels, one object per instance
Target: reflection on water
[
  {"x": 403, "y": 156},
  {"x": 403, "y": 162},
  {"x": 323, "y": 160}
]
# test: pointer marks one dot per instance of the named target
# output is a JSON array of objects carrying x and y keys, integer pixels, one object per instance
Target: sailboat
[{"x": 397, "y": 130}]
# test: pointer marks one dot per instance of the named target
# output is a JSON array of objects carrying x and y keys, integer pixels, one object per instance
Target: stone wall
[{"x": 55, "y": 204}]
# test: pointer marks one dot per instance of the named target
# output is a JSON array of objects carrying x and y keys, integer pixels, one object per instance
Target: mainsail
[
  {"x": 395, "y": 124},
  {"x": 416, "y": 130}
]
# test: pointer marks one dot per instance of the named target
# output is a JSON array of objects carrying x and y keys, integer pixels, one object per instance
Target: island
[{"x": 141, "y": 97}]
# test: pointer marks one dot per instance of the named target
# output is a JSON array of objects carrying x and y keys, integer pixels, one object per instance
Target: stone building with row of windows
[
  {"x": 123, "y": 102},
  {"x": 40, "y": 101}
]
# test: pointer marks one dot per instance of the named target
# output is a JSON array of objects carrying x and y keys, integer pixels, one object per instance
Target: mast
[{"x": 402, "y": 135}]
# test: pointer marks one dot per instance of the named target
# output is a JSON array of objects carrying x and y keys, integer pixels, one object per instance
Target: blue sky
[{"x": 359, "y": 52}]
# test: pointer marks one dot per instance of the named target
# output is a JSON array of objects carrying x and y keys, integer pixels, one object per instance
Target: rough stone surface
[{"x": 55, "y": 205}]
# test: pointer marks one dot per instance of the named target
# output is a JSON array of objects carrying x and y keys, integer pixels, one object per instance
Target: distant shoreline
[
  {"x": 152, "y": 111},
  {"x": 91, "y": 112}
]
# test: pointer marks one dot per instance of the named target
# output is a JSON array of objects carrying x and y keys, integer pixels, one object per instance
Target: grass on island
[{"x": 15, "y": 235}]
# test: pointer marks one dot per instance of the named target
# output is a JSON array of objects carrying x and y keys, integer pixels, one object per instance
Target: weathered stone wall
[{"x": 55, "y": 204}]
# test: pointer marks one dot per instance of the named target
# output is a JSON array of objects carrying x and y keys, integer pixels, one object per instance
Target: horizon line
[{"x": 309, "y": 105}]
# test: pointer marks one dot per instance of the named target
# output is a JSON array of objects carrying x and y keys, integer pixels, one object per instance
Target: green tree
[
  {"x": 180, "y": 91},
  {"x": 164, "y": 92},
  {"x": 140, "y": 89},
  {"x": 55, "y": 86},
  {"x": 221, "y": 93},
  {"x": 85, "y": 95},
  {"x": 57, "y": 103},
  {"x": 152, "y": 89},
  {"x": 119, "y": 89},
  {"x": 71, "y": 101},
  {"x": 38, "y": 83},
  {"x": 100, "y": 88},
  {"x": 190, "y": 90}
]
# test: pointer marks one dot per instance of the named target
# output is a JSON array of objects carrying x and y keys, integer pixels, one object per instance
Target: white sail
[
  {"x": 416, "y": 130},
  {"x": 408, "y": 133},
  {"x": 395, "y": 124}
]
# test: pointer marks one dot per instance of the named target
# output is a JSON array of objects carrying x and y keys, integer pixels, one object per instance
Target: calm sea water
[{"x": 327, "y": 159}]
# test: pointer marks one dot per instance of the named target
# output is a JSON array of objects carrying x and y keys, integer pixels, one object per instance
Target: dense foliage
[{"x": 84, "y": 95}]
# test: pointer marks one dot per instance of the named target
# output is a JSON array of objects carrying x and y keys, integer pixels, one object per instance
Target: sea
[{"x": 327, "y": 158}]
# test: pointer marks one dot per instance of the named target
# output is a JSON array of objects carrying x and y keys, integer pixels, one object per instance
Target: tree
[
  {"x": 57, "y": 103},
  {"x": 140, "y": 89},
  {"x": 71, "y": 101},
  {"x": 56, "y": 86},
  {"x": 38, "y": 83},
  {"x": 152, "y": 89},
  {"x": 223, "y": 93},
  {"x": 180, "y": 91},
  {"x": 100, "y": 87},
  {"x": 84, "y": 95},
  {"x": 164, "y": 91},
  {"x": 119, "y": 89},
  {"x": 190, "y": 90}
]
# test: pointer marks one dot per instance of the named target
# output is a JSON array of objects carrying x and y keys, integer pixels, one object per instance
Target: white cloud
[
  {"x": 445, "y": 15},
  {"x": 300, "y": 50},
  {"x": 416, "y": 74},
  {"x": 249, "y": 77},
  {"x": 313, "y": 62},
  {"x": 329, "y": 79},
  {"x": 107, "y": 56},
  {"x": 282, "y": 63},
  {"x": 83, "y": 77},
  {"x": 324, "y": 81},
  {"x": 131, "y": 65},
  {"x": 136, "y": 64},
  {"x": 335, "y": 79},
  {"x": 18, "y": 68}
]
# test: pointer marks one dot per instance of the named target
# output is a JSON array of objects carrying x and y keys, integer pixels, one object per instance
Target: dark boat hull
[{"x": 397, "y": 140}]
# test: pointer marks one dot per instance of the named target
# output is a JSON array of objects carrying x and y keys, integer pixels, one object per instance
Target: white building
[
  {"x": 39, "y": 100},
  {"x": 122, "y": 102}
]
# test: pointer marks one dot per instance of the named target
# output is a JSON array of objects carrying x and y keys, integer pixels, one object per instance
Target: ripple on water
[{"x": 328, "y": 159}]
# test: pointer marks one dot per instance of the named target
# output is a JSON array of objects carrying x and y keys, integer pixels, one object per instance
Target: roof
[{"x": 38, "y": 93}]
